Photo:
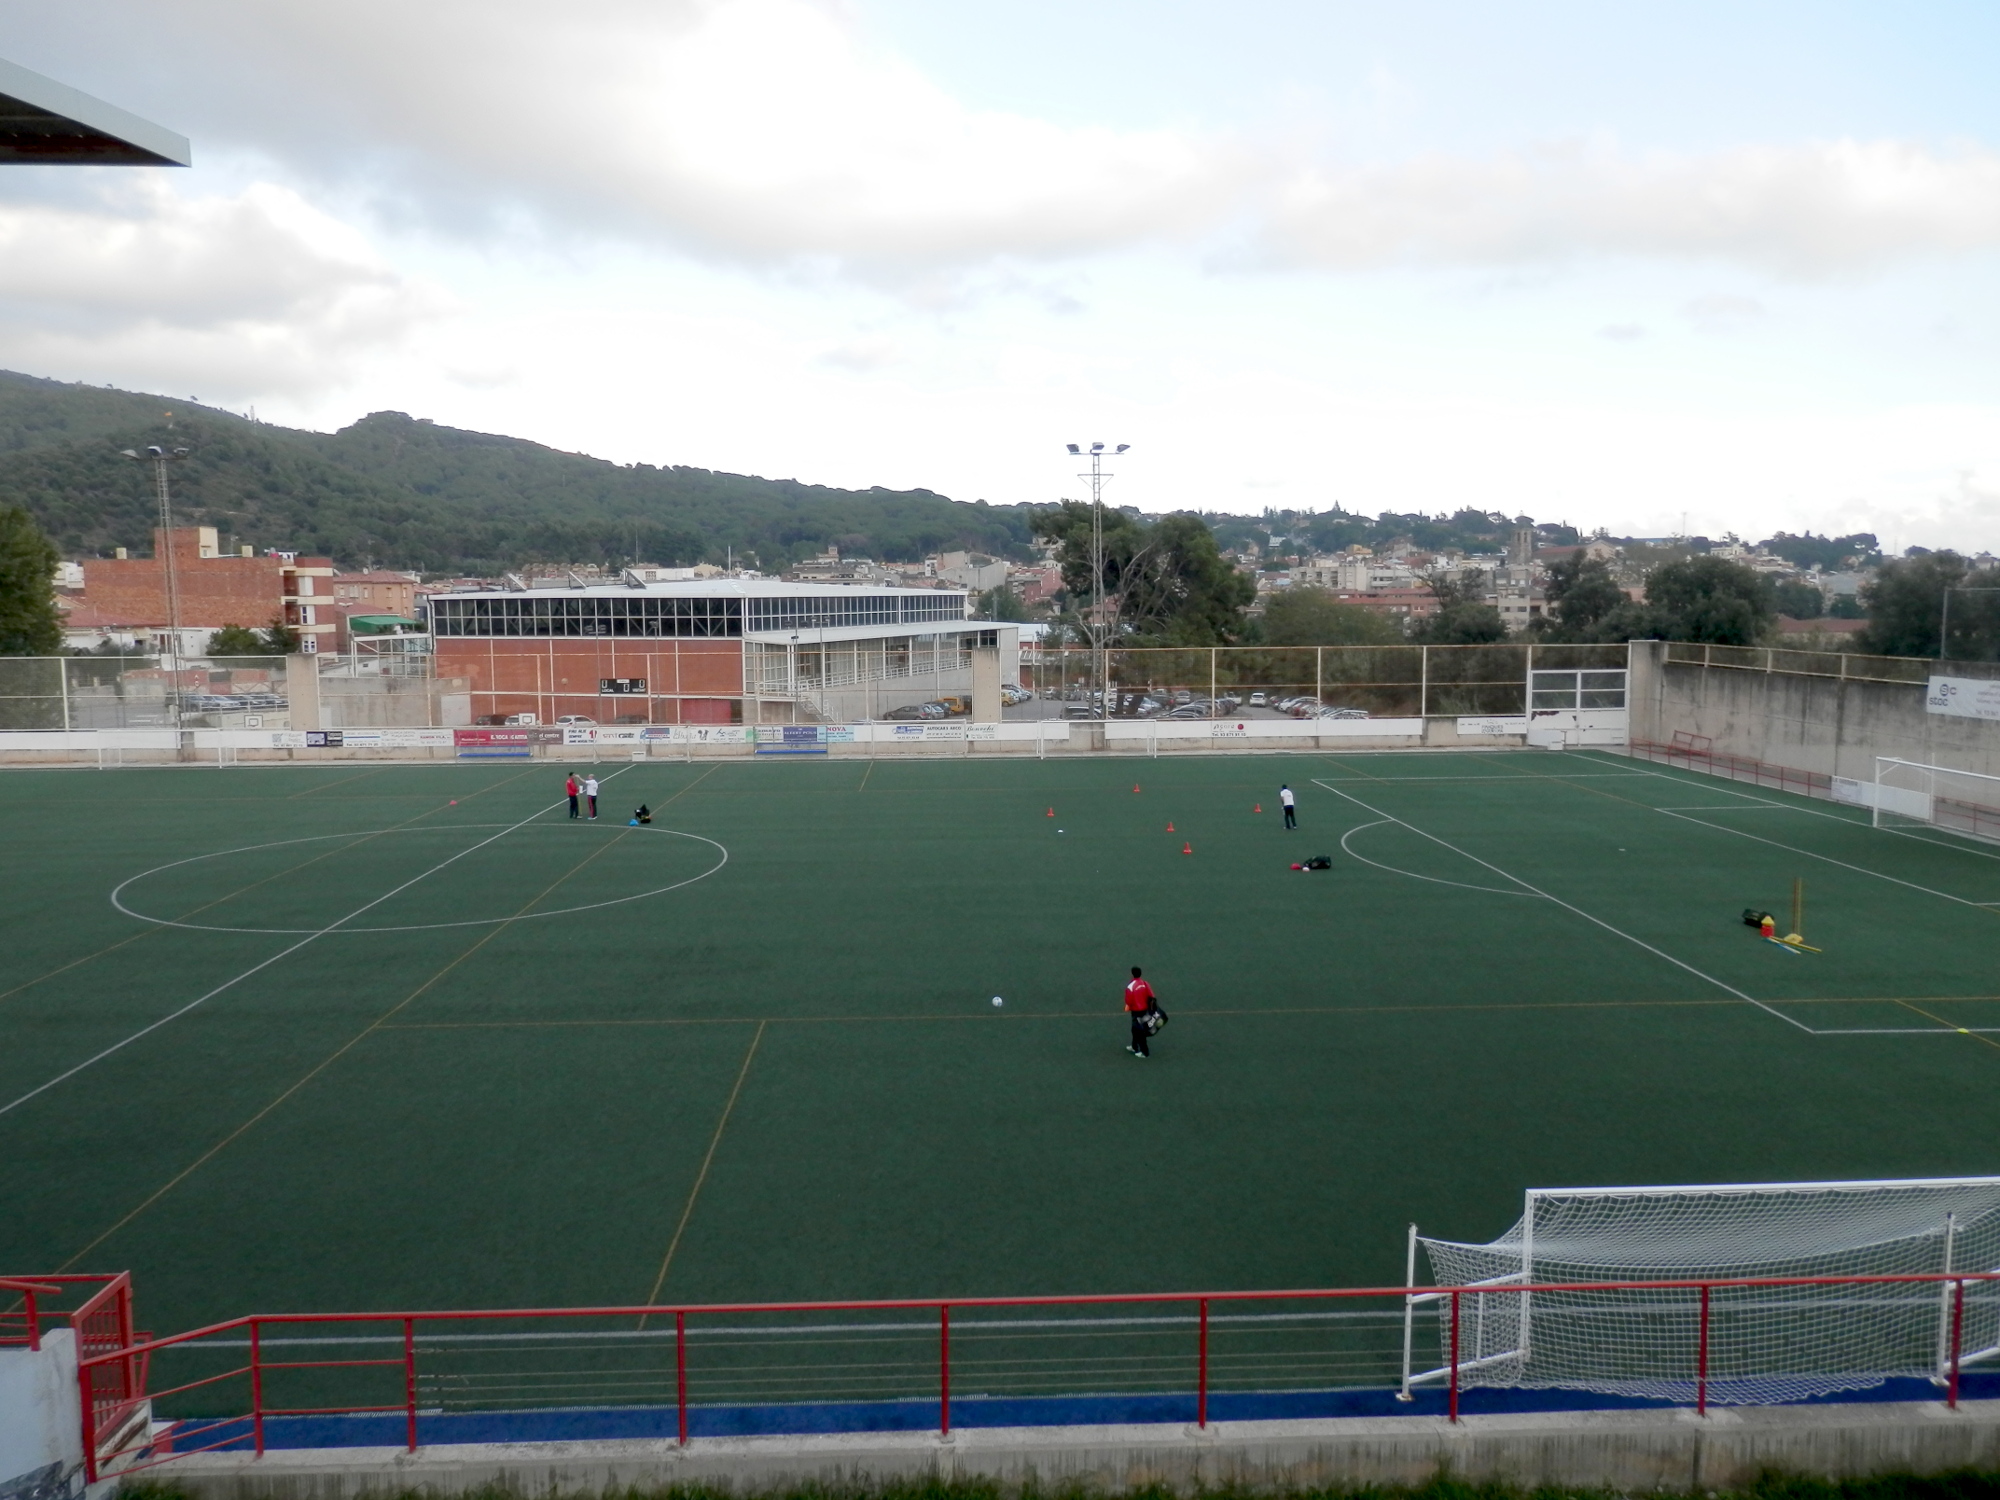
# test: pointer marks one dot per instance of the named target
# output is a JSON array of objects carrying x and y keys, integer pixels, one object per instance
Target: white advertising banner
[
  {"x": 1497, "y": 724},
  {"x": 1963, "y": 698}
]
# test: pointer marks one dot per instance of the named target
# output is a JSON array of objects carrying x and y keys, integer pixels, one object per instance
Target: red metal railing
[
  {"x": 113, "y": 1378},
  {"x": 28, "y": 1315},
  {"x": 1696, "y": 752}
]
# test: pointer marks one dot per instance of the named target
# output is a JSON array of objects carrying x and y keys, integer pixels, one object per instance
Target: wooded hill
[{"x": 397, "y": 492}]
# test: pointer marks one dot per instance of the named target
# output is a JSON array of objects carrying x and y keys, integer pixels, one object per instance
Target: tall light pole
[
  {"x": 159, "y": 458},
  {"x": 1095, "y": 478}
]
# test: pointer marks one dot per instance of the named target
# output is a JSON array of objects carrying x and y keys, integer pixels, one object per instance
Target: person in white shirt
[
  {"x": 1284, "y": 796},
  {"x": 590, "y": 791}
]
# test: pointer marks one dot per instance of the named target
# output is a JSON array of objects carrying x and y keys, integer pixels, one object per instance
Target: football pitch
[{"x": 320, "y": 1038}]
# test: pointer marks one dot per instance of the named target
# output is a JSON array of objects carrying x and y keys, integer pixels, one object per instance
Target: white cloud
[
  {"x": 1802, "y": 210},
  {"x": 245, "y": 294}
]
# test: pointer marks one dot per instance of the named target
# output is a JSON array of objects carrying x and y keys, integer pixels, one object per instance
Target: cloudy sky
[{"x": 1617, "y": 264}]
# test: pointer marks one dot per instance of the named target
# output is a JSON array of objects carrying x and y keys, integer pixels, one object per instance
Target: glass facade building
[{"x": 638, "y": 615}]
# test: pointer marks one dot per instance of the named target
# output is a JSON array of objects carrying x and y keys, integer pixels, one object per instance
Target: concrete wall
[
  {"x": 41, "y": 1431},
  {"x": 1619, "y": 1451},
  {"x": 1825, "y": 724}
]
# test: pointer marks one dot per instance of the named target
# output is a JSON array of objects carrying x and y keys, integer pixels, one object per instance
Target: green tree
[
  {"x": 1315, "y": 617},
  {"x": 29, "y": 622},
  {"x": 1799, "y": 601},
  {"x": 1463, "y": 617},
  {"x": 1846, "y": 607},
  {"x": 1905, "y": 602},
  {"x": 1002, "y": 603},
  {"x": 1708, "y": 599},
  {"x": 280, "y": 639},
  {"x": 1167, "y": 582},
  {"x": 1582, "y": 597},
  {"x": 236, "y": 640}
]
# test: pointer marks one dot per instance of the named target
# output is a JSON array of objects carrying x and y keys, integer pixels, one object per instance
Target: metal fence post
[
  {"x": 1701, "y": 1360},
  {"x": 1201, "y": 1379},
  {"x": 257, "y": 1384},
  {"x": 1453, "y": 1407},
  {"x": 681, "y": 1372},
  {"x": 1957, "y": 1338},
  {"x": 944, "y": 1369},
  {"x": 410, "y": 1380}
]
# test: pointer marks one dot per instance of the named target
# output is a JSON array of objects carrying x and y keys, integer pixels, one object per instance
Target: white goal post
[
  {"x": 1909, "y": 794},
  {"x": 1762, "y": 1343}
]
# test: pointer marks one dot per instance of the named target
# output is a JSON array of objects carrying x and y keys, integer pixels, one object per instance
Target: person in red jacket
[
  {"x": 572, "y": 789},
  {"x": 1138, "y": 1000}
]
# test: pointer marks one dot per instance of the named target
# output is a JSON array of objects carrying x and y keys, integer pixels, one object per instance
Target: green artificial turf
[{"x": 520, "y": 1113}]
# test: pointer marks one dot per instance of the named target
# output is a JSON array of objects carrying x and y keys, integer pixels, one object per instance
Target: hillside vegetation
[{"x": 393, "y": 491}]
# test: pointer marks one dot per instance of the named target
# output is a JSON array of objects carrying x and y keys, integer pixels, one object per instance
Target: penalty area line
[
  {"x": 284, "y": 953},
  {"x": 1577, "y": 910}
]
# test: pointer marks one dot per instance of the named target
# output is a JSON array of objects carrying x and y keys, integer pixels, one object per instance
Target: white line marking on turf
[
  {"x": 563, "y": 911},
  {"x": 258, "y": 968},
  {"x": 1566, "y": 906},
  {"x": 1463, "y": 885}
]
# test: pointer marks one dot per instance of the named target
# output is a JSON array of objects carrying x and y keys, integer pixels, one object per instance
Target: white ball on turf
[{"x": 997, "y": 1000}]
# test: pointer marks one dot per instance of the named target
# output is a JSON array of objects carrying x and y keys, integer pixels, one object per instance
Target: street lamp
[
  {"x": 1096, "y": 478},
  {"x": 159, "y": 458}
]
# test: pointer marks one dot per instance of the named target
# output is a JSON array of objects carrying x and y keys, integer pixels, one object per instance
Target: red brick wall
[
  {"x": 214, "y": 591},
  {"x": 689, "y": 682}
]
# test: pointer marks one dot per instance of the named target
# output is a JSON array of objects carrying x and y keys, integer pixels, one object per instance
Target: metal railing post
[
  {"x": 83, "y": 1374},
  {"x": 1701, "y": 1360},
  {"x": 1957, "y": 1338},
  {"x": 681, "y": 1372},
  {"x": 1201, "y": 1378},
  {"x": 1452, "y": 1410},
  {"x": 257, "y": 1384},
  {"x": 410, "y": 1381},
  {"x": 944, "y": 1369}
]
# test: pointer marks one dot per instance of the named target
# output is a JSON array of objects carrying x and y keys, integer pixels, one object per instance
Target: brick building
[{"x": 244, "y": 588}]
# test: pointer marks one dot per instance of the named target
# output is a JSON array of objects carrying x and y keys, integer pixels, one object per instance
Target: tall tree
[
  {"x": 29, "y": 622},
  {"x": 1166, "y": 582},
  {"x": 1002, "y": 603},
  {"x": 1463, "y": 617},
  {"x": 1302, "y": 616},
  {"x": 1709, "y": 599},
  {"x": 1582, "y": 597},
  {"x": 1906, "y": 609}
]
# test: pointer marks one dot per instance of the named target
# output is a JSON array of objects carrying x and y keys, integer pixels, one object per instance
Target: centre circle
[{"x": 343, "y": 925}]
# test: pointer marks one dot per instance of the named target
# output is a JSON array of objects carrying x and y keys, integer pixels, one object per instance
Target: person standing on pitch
[
  {"x": 572, "y": 788},
  {"x": 590, "y": 795},
  {"x": 1291, "y": 809},
  {"x": 1138, "y": 1000}
]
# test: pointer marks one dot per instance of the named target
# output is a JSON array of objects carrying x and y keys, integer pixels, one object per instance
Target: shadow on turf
[{"x": 1967, "y": 1484}]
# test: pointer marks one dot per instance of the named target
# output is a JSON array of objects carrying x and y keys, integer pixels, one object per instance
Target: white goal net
[
  {"x": 1910, "y": 794},
  {"x": 1764, "y": 1343}
]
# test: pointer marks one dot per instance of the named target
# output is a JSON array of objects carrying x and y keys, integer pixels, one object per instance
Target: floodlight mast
[
  {"x": 1098, "y": 623},
  {"x": 159, "y": 458}
]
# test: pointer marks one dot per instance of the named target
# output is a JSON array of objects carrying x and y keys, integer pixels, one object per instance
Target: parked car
[
  {"x": 581, "y": 720},
  {"x": 1011, "y": 695},
  {"x": 1079, "y": 711},
  {"x": 931, "y": 710},
  {"x": 1259, "y": 700}
]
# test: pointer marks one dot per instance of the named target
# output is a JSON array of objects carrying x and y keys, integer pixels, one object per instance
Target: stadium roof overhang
[
  {"x": 43, "y": 122},
  {"x": 812, "y": 635}
]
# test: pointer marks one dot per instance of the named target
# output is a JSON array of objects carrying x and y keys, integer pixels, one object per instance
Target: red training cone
[
  {"x": 1052, "y": 812},
  {"x": 1170, "y": 825},
  {"x": 1187, "y": 848},
  {"x": 1135, "y": 786},
  {"x": 1258, "y": 808}
]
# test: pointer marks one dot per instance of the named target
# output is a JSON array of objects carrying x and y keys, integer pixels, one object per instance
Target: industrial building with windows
[{"x": 714, "y": 651}]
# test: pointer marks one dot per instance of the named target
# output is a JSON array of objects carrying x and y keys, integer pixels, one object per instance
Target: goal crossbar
[{"x": 1800, "y": 1341}]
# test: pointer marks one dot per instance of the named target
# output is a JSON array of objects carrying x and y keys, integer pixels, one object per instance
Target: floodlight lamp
[
  {"x": 183, "y": 453},
  {"x": 129, "y": 452},
  {"x": 1072, "y": 448},
  {"x": 156, "y": 451},
  {"x": 1097, "y": 447},
  {"x": 1123, "y": 446}
]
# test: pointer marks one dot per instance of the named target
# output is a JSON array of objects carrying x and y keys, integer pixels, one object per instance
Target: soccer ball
[{"x": 997, "y": 1000}]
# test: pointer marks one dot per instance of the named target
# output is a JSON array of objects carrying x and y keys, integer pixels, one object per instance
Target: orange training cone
[{"x": 1187, "y": 848}]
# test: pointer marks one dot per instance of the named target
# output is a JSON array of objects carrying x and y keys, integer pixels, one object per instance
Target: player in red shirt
[
  {"x": 570, "y": 787},
  {"x": 1138, "y": 1000}
]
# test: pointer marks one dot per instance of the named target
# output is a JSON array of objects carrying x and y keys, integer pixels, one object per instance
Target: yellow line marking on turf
[
  {"x": 1943, "y": 1022},
  {"x": 339, "y": 1052},
  {"x": 327, "y": 786},
  {"x": 687, "y": 1211}
]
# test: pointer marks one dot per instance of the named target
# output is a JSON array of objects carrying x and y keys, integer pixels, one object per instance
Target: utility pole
[{"x": 1095, "y": 478}]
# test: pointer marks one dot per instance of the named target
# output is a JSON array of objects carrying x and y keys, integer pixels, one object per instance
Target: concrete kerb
[{"x": 1624, "y": 1451}]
